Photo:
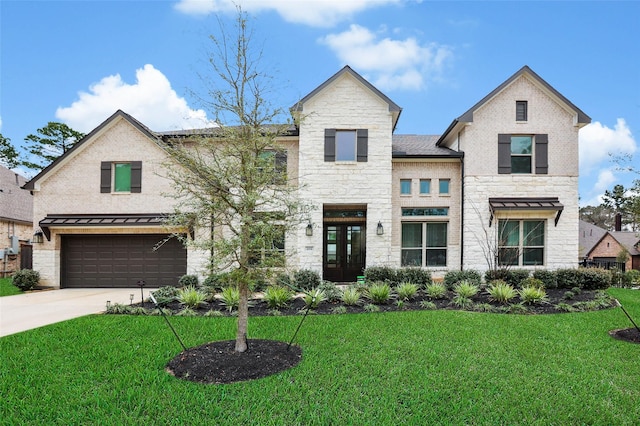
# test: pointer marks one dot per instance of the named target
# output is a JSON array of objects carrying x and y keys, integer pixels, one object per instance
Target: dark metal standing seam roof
[
  {"x": 526, "y": 203},
  {"x": 78, "y": 220}
]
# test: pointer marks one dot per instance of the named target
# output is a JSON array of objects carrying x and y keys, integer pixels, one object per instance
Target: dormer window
[{"x": 521, "y": 110}]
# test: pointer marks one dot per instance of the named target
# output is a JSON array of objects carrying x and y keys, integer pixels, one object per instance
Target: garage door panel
[{"x": 121, "y": 260}]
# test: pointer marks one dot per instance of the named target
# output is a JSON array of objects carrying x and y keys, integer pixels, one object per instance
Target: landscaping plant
[
  {"x": 406, "y": 291},
  {"x": 533, "y": 295},
  {"x": 378, "y": 293},
  {"x": 191, "y": 297},
  {"x": 351, "y": 296},
  {"x": 277, "y": 297},
  {"x": 501, "y": 292}
]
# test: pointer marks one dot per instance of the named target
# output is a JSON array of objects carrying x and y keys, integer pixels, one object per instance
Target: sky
[{"x": 77, "y": 62}]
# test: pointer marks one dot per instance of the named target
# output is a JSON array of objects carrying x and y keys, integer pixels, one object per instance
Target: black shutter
[
  {"x": 504, "y": 154},
  {"x": 362, "y": 145},
  {"x": 105, "y": 177},
  {"x": 329, "y": 144},
  {"x": 281, "y": 167},
  {"x": 542, "y": 154},
  {"x": 136, "y": 176}
]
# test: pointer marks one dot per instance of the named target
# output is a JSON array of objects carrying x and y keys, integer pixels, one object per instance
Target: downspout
[{"x": 461, "y": 206}]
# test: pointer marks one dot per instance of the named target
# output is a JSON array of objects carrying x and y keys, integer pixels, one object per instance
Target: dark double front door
[{"x": 344, "y": 251}]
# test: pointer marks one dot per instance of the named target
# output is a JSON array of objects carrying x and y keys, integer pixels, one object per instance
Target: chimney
[{"x": 618, "y": 226}]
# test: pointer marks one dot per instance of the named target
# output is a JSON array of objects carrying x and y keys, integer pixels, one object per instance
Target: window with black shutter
[
  {"x": 346, "y": 145},
  {"x": 523, "y": 154},
  {"x": 120, "y": 177}
]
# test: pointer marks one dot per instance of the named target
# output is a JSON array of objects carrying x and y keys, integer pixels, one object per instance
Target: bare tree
[{"x": 232, "y": 180}]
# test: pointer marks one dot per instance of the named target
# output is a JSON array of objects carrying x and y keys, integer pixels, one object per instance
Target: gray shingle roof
[
  {"x": 590, "y": 235},
  {"x": 628, "y": 240},
  {"x": 404, "y": 146},
  {"x": 16, "y": 204}
]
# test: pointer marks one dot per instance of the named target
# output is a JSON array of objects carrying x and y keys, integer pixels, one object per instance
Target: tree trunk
[{"x": 243, "y": 318}]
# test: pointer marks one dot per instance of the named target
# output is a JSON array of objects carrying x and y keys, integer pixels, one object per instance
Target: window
[
  {"x": 521, "y": 110},
  {"x": 444, "y": 186},
  {"x": 516, "y": 154},
  {"x": 267, "y": 245},
  {"x": 521, "y": 154},
  {"x": 346, "y": 145},
  {"x": 425, "y": 186},
  {"x": 405, "y": 186},
  {"x": 276, "y": 162},
  {"x": 424, "y": 244},
  {"x": 521, "y": 242},
  {"x": 428, "y": 211},
  {"x": 121, "y": 177}
]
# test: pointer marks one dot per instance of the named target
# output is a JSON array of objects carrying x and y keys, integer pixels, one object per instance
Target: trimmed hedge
[
  {"x": 26, "y": 279},
  {"x": 472, "y": 276}
]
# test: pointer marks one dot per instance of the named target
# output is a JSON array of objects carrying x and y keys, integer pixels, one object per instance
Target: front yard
[{"x": 418, "y": 367}]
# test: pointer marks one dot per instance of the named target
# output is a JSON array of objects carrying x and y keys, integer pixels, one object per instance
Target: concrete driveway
[{"x": 36, "y": 309}]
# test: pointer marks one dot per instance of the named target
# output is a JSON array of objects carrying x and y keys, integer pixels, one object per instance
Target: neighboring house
[
  {"x": 602, "y": 247},
  {"x": 16, "y": 223},
  {"x": 498, "y": 189}
]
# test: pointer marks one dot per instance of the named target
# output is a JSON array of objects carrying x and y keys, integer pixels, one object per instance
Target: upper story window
[
  {"x": 405, "y": 186},
  {"x": 276, "y": 162},
  {"x": 425, "y": 186},
  {"x": 523, "y": 154},
  {"x": 121, "y": 177},
  {"x": 444, "y": 186},
  {"x": 346, "y": 145},
  {"x": 521, "y": 110}
]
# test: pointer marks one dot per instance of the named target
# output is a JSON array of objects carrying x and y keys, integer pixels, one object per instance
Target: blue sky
[{"x": 77, "y": 62}]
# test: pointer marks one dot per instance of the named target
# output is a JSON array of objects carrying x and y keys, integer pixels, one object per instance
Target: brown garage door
[{"x": 121, "y": 261}]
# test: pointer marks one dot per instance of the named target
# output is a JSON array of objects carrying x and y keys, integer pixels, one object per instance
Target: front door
[{"x": 344, "y": 251}]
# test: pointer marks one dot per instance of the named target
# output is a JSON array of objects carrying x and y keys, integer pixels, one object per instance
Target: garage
[{"x": 121, "y": 260}]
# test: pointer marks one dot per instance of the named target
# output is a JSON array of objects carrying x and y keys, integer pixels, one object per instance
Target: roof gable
[
  {"x": 467, "y": 117},
  {"x": 104, "y": 126},
  {"x": 393, "y": 107},
  {"x": 16, "y": 204}
]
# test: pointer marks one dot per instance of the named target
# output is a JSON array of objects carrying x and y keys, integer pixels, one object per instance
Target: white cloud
[
  {"x": 150, "y": 99},
  {"x": 0, "y": 124},
  {"x": 316, "y": 13},
  {"x": 597, "y": 142},
  {"x": 389, "y": 64}
]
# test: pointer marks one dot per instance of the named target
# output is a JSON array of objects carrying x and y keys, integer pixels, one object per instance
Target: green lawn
[
  {"x": 8, "y": 289},
  {"x": 426, "y": 367}
]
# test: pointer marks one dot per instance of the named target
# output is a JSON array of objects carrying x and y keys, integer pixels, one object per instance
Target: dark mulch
[
  {"x": 627, "y": 334},
  {"x": 217, "y": 362}
]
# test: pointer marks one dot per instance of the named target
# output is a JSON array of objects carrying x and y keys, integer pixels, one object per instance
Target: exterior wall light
[
  {"x": 38, "y": 237},
  {"x": 309, "y": 230},
  {"x": 380, "y": 229}
]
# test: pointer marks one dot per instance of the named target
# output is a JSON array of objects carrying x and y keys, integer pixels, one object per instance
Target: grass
[
  {"x": 8, "y": 289},
  {"x": 421, "y": 367}
]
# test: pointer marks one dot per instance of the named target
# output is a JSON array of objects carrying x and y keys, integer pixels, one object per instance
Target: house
[
  {"x": 605, "y": 247},
  {"x": 16, "y": 223},
  {"x": 498, "y": 187}
]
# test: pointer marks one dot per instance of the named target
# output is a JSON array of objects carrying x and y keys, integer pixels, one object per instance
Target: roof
[
  {"x": 118, "y": 114},
  {"x": 629, "y": 240},
  {"x": 420, "y": 146},
  {"x": 590, "y": 235},
  {"x": 467, "y": 117},
  {"x": 85, "y": 220},
  {"x": 393, "y": 107},
  {"x": 16, "y": 204},
  {"x": 526, "y": 203}
]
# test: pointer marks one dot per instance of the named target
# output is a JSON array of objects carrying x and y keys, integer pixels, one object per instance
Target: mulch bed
[{"x": 627, "y": 334}]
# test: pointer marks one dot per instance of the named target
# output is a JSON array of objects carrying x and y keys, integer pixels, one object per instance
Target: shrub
[
  {"x": 465, "y": 289},
  {"x": 436, "y": 291},
  {"x": 189, "y": 281},
  {"x": 165, "y": 295},
  {"x": 277, "y": 297},
  {"x": 118, "y": 308},
  {"x": 217, "y": 282},
  {"x": 213, "y": 313},
  {"x": 533, "y": 295},
  {"x": 418, "y": 276},
  {"x": 595, "y": 278},
  {"x": 565, "y": 307},
  {"x": 380, "y": 273},
  {"x": 331, "y": 291},
  {"x": 517, "y": 308},
  {"x": 406, "y": 291},
  {"x": 547, "y": 277},
  {"x": 191, "y": 297},
  {"x": 452, "y": 278},
  {"x": 379, "y": 293},
  {"x": 532, "y": 282},
  {"x": 138, "y": 310},
  {"x": 501, "y": 292},
  {"x": 497, "y": 275},
  {"x": 283, "y": 279},
  {"x": 371, "y": 308},
  {"x": 314, "y": 298},
  {"x": 26, "y": 279},
  {"x": 568, "y": 278},
  {"x": 516, "y": 276},
  {"x": 483, "y": 307},
  {"x": 568, "y": 295},
  {"x": 462, "y": 302},
  {"x": 230, "y": 298},
  {"x": 187, "y": 312},
  {"x": 339, "y": 310},
  {"x": 351, "y": 296},
  {"x": 306, "y": 279},
  {"x": 630, "y": 278}
]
